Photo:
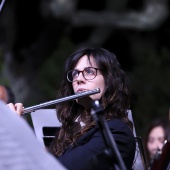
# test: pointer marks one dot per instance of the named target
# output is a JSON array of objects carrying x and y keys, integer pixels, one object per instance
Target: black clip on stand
[{"x": 98, "y": 114}]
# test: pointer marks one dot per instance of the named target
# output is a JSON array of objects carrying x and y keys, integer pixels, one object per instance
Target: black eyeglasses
[{"x": 89, "y": 73}]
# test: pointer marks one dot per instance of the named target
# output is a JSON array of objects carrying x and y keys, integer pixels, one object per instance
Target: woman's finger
[
  {"x": 11, "y": 106},
  {"x": 19, "y": 108}
]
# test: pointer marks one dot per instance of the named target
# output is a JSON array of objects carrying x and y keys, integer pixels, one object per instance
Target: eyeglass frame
[{"x": 96, "y": 69}]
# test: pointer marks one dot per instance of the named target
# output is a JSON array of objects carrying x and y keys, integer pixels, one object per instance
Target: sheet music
[
  {"x": 42, "y": 118},
  {"x": 19, "y": 148}
]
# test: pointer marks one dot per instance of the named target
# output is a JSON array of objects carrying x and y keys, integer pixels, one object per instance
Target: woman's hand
[{"x": 17, "y": 108}]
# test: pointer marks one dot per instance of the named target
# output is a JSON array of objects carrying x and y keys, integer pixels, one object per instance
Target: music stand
[{"x": 45, "y": 125}]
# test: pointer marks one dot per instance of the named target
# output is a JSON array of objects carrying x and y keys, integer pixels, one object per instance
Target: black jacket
[{"x": 89, "y": 151}]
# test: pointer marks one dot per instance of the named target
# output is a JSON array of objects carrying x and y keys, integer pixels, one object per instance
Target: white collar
[{"x": 81, "y": 123}]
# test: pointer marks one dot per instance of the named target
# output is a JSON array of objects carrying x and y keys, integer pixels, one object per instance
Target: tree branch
[{"x": 151, "y": 17}]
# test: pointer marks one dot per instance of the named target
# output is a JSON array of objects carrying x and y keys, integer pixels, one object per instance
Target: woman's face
[
  {"x": 3, "y": 94},
  {"x": 155, "y": 140},
  {"x": 81, "y": 84}
]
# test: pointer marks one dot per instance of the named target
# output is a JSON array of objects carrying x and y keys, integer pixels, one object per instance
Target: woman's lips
[{"x": 81, "y": 90}]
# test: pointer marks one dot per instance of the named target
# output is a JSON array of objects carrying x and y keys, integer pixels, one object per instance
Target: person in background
[
  {"x": 79, "y": 140},
  {"x": 155, "y": 137},
  {"x": 6, "y": 94}
]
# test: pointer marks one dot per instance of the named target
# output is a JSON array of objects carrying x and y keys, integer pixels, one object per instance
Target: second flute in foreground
[{"x": 72, "y": 97}]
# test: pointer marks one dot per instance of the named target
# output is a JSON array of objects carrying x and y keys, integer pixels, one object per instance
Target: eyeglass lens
[{"x": 89, "y": 73}]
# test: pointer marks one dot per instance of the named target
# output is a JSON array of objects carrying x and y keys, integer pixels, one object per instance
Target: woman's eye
[
  {"x": 74, "y": 74},
  {"x": 150, "y": 140},
  {"x": 89, "y": 71},
  {"x": 161, "y": 140}
]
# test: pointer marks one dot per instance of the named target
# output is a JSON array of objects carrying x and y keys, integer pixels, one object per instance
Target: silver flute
[{"x": 72, "y": 97}]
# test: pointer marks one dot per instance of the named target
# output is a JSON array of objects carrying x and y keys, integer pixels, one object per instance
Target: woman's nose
[
  {"x": 80, "y": 77},
  {"x": 157, "y": 145}
]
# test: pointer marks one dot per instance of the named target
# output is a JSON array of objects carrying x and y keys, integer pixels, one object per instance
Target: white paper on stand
[
  {"x": 44, "y": 118},
  {"x": 19, "y": 148}
]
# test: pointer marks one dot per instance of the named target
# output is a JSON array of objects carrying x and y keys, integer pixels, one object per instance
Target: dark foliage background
[{"x": 37, "y": 36}]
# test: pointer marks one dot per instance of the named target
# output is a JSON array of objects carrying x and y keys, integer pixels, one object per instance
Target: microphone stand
[{"x": 112, "y": 150}]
